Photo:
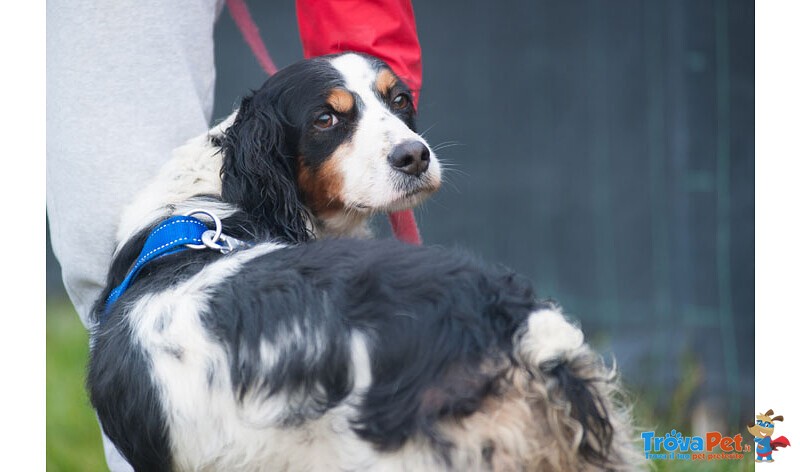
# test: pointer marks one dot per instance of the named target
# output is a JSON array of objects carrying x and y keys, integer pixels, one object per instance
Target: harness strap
[{"x": 169, "y": 237}]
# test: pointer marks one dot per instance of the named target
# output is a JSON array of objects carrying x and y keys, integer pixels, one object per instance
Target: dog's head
[{"x": 327, "y": 141}]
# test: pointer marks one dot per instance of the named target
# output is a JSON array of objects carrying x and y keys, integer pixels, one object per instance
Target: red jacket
[{"x": 381, "y": 28}]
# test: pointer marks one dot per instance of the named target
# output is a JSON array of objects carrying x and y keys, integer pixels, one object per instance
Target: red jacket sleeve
[{"x": 381, "y": 28}]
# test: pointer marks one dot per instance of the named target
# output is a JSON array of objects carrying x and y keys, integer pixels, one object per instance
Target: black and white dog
[{"x": 304, "y": 352}]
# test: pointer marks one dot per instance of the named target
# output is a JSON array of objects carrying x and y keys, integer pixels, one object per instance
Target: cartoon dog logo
[{"x": 762, "y": 429}]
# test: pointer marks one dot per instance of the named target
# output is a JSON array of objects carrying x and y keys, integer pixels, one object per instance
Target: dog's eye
[
  {"x": 401, "y": 102},
  {"x": 325, "y": 120}
]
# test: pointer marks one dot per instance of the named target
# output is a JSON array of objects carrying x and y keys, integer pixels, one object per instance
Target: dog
[{"x": 311, "y": 346}]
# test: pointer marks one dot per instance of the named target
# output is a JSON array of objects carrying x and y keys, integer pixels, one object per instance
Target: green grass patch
[{"x": 73, "y": 435}]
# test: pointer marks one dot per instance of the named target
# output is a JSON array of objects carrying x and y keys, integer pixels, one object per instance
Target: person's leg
[{"x": 127, "y": 81}]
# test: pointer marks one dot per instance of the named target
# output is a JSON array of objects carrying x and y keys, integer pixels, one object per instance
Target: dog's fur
[{"x": 307, "y": 353}]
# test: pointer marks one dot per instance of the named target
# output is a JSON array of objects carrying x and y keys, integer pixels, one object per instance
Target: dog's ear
[{"x": 259, "y": 173}]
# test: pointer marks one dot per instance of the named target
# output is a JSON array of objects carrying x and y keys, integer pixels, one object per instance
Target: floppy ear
[
  {"x": 778, "y": 418},
  {"x": 260, "y": 175}
]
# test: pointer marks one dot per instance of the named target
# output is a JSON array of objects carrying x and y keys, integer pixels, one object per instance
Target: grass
[{"x": 73, "y": 435}]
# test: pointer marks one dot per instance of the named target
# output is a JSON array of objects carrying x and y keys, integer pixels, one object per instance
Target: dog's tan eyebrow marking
[
  {"x": 341, "y": 100},
  {"x": 384, "y": 81}
]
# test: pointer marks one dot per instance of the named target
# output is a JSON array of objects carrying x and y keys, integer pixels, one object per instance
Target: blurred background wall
[{"x": 605, "y": 149}]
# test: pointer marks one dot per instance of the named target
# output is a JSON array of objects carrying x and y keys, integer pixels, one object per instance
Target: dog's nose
[{"x": 411, "y": 157}]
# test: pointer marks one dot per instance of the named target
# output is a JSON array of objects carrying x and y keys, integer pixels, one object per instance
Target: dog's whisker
[
  {"x": 422, "y": 134},
  {"x": 451, "y": 185},
  {"x": 448, "y": 142},
  {"x": 446, "y": 145},
  {"x": 453, "y": 170}
]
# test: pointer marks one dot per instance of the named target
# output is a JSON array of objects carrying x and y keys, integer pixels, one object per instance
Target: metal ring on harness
[
  {"x": 209, "y": 242},
  {"x": 217, "y": 231}
]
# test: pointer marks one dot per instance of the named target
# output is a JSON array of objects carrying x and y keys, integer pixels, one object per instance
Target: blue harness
[{"x": 173, "y": 235}]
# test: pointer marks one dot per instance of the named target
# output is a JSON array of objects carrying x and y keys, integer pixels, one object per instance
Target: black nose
[{"x": 411, "y": 157}]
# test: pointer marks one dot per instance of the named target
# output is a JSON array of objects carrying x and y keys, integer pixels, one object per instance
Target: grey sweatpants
[{"x": 127, "y": 81}]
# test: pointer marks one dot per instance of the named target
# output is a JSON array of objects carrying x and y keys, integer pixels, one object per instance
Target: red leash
[
  {"x": 241, "y": 15},
  {"x": 403, "y": 223}
]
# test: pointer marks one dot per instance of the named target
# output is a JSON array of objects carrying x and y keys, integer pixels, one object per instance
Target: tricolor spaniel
[{"x": 294, "y": 351}]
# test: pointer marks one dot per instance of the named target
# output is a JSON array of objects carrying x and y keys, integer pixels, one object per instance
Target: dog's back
[{"x": 349, "y": 355}]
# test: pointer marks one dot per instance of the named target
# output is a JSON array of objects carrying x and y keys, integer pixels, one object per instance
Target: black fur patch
[
  {"x": 581, "y": 394},
  {"x": 127, "y": 402},
  {"x": 423, "y": 310}
]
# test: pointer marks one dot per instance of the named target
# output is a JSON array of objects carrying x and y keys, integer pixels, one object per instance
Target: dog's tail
[{"x": 582, "y": 421}]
